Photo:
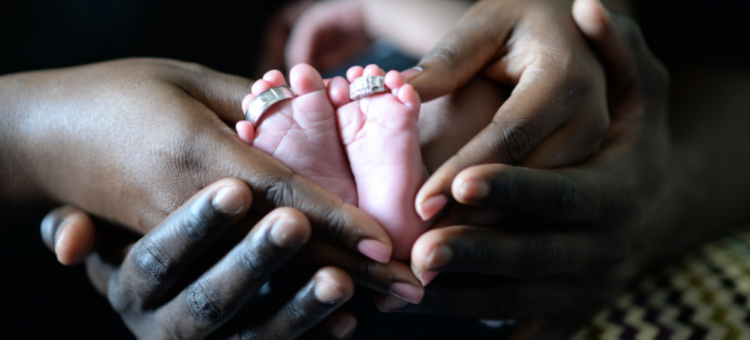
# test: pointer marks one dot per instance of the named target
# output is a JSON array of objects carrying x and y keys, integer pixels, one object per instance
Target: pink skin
[
  {"x": 302, "y": 132},
  {"x": 381, "y": 137}
]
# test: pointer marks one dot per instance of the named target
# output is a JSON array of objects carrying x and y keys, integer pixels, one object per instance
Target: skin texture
[
  {"x": 557, "y": 112},
  {"x": 131, "y": 140},
  {"x": 381, "y": 137},
  {"x": 302, "y": 132},
  {"x": 189, "y": 276},
  {"x": 575, "y": 236}
]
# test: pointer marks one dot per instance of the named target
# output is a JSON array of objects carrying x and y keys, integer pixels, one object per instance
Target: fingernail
[
  {"x": 344, "y": 328},
  {"x": 328, "y": 292},
  {"x": 440, "y": 256},
  {"x": 475, "y": 191},
  {"x": 412, "y": 73},
  {"x": 405, "y": 291},
  {"x": 393, "y": 303},
  {"x": 429, "y": 208},
  {"x": 375, "y": 250},
  {"x": 284, "y": 233},
  {"x": 59, "y": 232},
  {"x": 427, "y": 277},
  {"x": 229, "y": 200}
]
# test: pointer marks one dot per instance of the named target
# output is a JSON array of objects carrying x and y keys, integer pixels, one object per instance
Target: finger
[
  {"x": 619, "y": 43},
  {"x": 219, "y": 92},
  {"x": 219, "y": 293},
  {"x": 555, "y": 195},
  {"x": 462, "y": 53},
  {"x": 341, "y": 324},
  {"x": 324, "y": 293},
  {"x": 394, "y": 278},
  {"x": 69, "y": 232},
  {"x": 534, "y": 110},
  {"x": 159, "y": 258},
  {"x": 523, "y": 255}
]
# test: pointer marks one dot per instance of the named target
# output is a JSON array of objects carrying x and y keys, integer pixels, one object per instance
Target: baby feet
[
  {"x": 381, "y": 137},
  {"x": 302, "y": 133},
  {"x": 379, "y": 134}
]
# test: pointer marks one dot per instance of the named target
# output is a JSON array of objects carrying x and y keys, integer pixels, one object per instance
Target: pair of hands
[{"x": 603, "y": 213}]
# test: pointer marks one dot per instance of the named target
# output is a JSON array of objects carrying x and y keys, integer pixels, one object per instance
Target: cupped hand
[
  {"x": 131, "y": 140},
  {"x": 204, "y": 250},
  {"x": 557, "y": 112},
  {"x": 166, "y": 287},
  {"x": 594, "y": 227}
]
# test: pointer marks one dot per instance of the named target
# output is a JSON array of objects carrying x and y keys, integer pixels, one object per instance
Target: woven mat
[{"x": 706, "y": 295}]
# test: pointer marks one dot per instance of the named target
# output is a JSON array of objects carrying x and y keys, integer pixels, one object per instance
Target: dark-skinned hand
[
  {"x": 574, "y": 236},
  {"x": 129, "y": 141},
  {"x": 556, "y": 114},
  {"x": 199, "y": 272}
]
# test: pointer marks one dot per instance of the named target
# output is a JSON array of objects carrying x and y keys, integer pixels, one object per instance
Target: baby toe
[
  {"x": 246, "y": 101},
  {"x": 275, "y": 78},
  {"x": 354, "y": 72},
  {"x": 409, "y": 97},
  {"x": 394, "y": 80},
  {"x": 338, "y": 92},
  {"x": 259, "y": 86},
  {"x": 245, "y": 131},
  {"x": 373, "y": 71},
  {"x": 305, "y": 79}
]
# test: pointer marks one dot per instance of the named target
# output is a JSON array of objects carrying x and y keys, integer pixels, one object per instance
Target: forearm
[
  {"x": 18, "y": 99},
  {"x": 708, "y": 182}
]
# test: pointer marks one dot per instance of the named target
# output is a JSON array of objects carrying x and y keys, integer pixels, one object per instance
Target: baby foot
[
  {"x": 302, "y": 132},
  {"x": 381, "y": 137}
]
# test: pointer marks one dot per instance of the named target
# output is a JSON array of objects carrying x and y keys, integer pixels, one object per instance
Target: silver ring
[
  {"x": 366, "y": 86},
  {"x": 265, "y": 100}
]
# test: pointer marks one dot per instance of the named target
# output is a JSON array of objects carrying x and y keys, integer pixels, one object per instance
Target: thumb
[
  {"x": 461, "y": 54},
  {"x": 220, "y": 92}
]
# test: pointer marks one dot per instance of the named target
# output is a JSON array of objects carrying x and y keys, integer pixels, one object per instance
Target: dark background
[{"x": 42, "y": 299}]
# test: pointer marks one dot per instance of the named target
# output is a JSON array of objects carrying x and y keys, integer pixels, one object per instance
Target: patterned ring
[
  {"x": 367, "y": 86},
  {"x": 265, "y": 100}
]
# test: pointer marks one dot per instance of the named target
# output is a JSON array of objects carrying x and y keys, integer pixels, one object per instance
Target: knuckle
[
  {"x": 150, "y": 261},
  {"x": 253, "y": 263},
  {"x": 120, "y": 301},
  {"x": 480, "y": 255},
  {"x": 516, "y": 140},
  {"x": 537, "y": 255},
  {"x": 204, "y": 303},
  {"x": 279, "y": 192},
  {"x": 444, "y": 53},
  {"x": 565, "y": 198}
]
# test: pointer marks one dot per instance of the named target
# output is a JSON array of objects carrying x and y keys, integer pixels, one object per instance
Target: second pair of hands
[{"x": 554, "y": 260}]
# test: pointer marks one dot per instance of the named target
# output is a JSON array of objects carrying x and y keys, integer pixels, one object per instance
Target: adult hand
[
  {"x": 557, "y": 113},
  {"x": 596, "y": 225},
  {"x": 131, "y": 140},
  {"x": 198, "y": 250},
  {"x": 164, "y": 288}
]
